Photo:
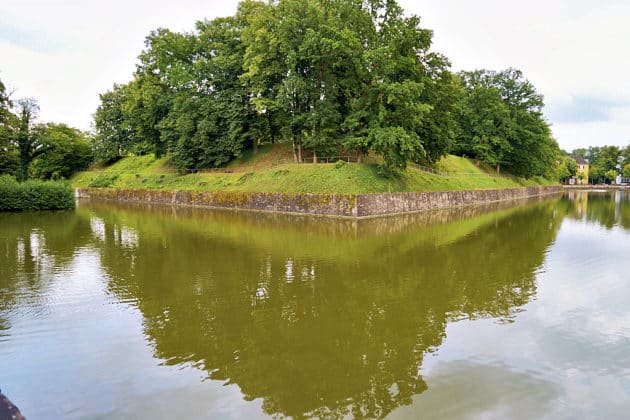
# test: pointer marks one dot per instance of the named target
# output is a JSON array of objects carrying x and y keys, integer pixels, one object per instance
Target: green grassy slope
[{"x": 267, "y": 172}]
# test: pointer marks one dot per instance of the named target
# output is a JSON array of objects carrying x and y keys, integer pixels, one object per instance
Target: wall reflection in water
[
  {"x": 315, "y": 316},
  {"x": 318, "y": 317}
]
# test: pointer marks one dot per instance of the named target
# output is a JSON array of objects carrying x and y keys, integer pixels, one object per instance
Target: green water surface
[{"x": 130, "y": 311}]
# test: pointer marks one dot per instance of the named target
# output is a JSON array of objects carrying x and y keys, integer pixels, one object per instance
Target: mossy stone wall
[
  {"x": 396, "y": 203},
  {"x": 344, "y": 205},
  {"x": 321, "y": 204}
]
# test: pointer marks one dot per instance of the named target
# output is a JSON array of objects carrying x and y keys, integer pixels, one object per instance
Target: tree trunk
[
  {"x": 299, "y": 150},
  {"x": 295, "y": 156},
  {"x": 314, "y": 156},
  {"x": 255, "y": 146},
  {"x": 498, "y": 168},
  {"x": 24, "y": 171},
  {"x": 359, "y": 156},
  {"x": 158, "y": 151}
]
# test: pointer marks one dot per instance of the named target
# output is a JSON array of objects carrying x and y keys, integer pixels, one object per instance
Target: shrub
[
  {"x": 34, "y": 195},
  {"x": 281, "y": 172},
  {"x": 103, "y": 181},
  {"x": 340, "y": 164}
]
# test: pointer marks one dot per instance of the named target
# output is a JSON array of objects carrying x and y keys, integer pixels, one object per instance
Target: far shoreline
[{"x": 597, "y": 187}]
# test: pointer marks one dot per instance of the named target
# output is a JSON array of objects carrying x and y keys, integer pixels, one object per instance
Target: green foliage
[
  {"x": 25, "y": 137},
  {"x": 210, "y": 129},
  {"x": 502, "y": 123},
  {"x": 610, "y": 175},
  {"x": 115, "y": 136},
  {"x": 7, "y": 179},
  {"x": 6, "y": 117},
  {"x": 567, "y": 167},
  {"x": 596, "y": 174},
  {"x": 626, "y": 170},
  {"x": 39, "y": 150},
  {"x": 291, "y": 71},
  {"x": 34, "y": 195},
  {"x": 4, "y": 102},
  {"x": 340, "y": 164},
  {"x": 603, "y": 161},
  {"x": 147, "y": 105},
  {"x": 571, "y": 165},
  {"x": 9, "y": 159},
  {"x": 68, "y": 151}
]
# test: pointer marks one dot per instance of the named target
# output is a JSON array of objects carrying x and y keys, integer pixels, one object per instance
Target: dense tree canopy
[
  {"x": 8, "y": 155},
  {"x": 67, "y": 151},
  {"x": 30, "y": 149},
  {"x": 502, "y": 123},
  {"x": 25, "y": 139},
  {"x": 606, "y": 162},
  {"x": 324, "y": 75},
  {"x": 114, "y": 136},
  {"x": 330, "y": 77},
  {"x": 4, "y": 103},
  {"x": 567, "y": 167}
]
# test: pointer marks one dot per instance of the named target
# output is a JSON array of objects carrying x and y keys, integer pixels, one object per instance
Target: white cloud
[{"x": 65, "y": 53}]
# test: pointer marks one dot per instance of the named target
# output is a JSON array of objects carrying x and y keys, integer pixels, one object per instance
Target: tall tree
[
  {"x": 114, "y": 134},
  {"x": 445, "y": 94},
  {"x": 8, "y": 154},
  {"x": 393, "y": 106},
  {"x": 604, "y": 161},
  {"x": 25, "y": 139},
  {"x": 352, "y": 73},
  {"x": 485, "y": 120},
  {"x": 150, "y": 94},
  {"x": 534, "y": 150},
  {"x": 502, "y": 123},
  {"x": 321, "y": 74},
  {"x": 68, "y": 150},
  {"x": 288, "y": 67},
  {"x": 148, "y": 104},
  {"x": 5, "y": 104},
  {"x": 209, "y": 123}
]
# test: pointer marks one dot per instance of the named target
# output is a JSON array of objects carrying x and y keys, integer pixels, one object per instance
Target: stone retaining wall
[
  {"x": 322, "y": 204},
  {"x": 343, "y": 205},
  {"x": 395, "y": 203}
]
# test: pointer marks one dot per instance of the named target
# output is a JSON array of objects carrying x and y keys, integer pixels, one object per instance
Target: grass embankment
[
  {"x": 34, "y": 195},
  {"x": 268, "y": 171}
]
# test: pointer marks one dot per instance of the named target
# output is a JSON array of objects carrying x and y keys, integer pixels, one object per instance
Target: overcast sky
[{"x": 65, "y": 52}]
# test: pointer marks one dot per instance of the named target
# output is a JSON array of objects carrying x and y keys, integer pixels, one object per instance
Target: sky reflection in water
[{"x": 127, "y": 311}]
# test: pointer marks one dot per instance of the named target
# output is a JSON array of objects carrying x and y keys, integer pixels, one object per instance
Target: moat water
[{"x": 130, "y": 311}]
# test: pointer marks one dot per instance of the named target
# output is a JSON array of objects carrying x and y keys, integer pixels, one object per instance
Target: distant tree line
[
  {"x": 38, "y": 150},
  {"x": 325, "y": 76},
  {"x": 605, "y": 162}
]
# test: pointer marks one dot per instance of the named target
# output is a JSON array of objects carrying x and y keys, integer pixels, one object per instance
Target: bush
[
  {"x": 340, "y": 164},
  {"x": 103, "y": 181},
  {"x": 34, "y": 195}
]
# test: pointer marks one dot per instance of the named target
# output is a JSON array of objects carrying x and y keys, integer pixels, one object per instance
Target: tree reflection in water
[
  {"x": 605, "y": 208},
  {"x": 317, "y": 317}
]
